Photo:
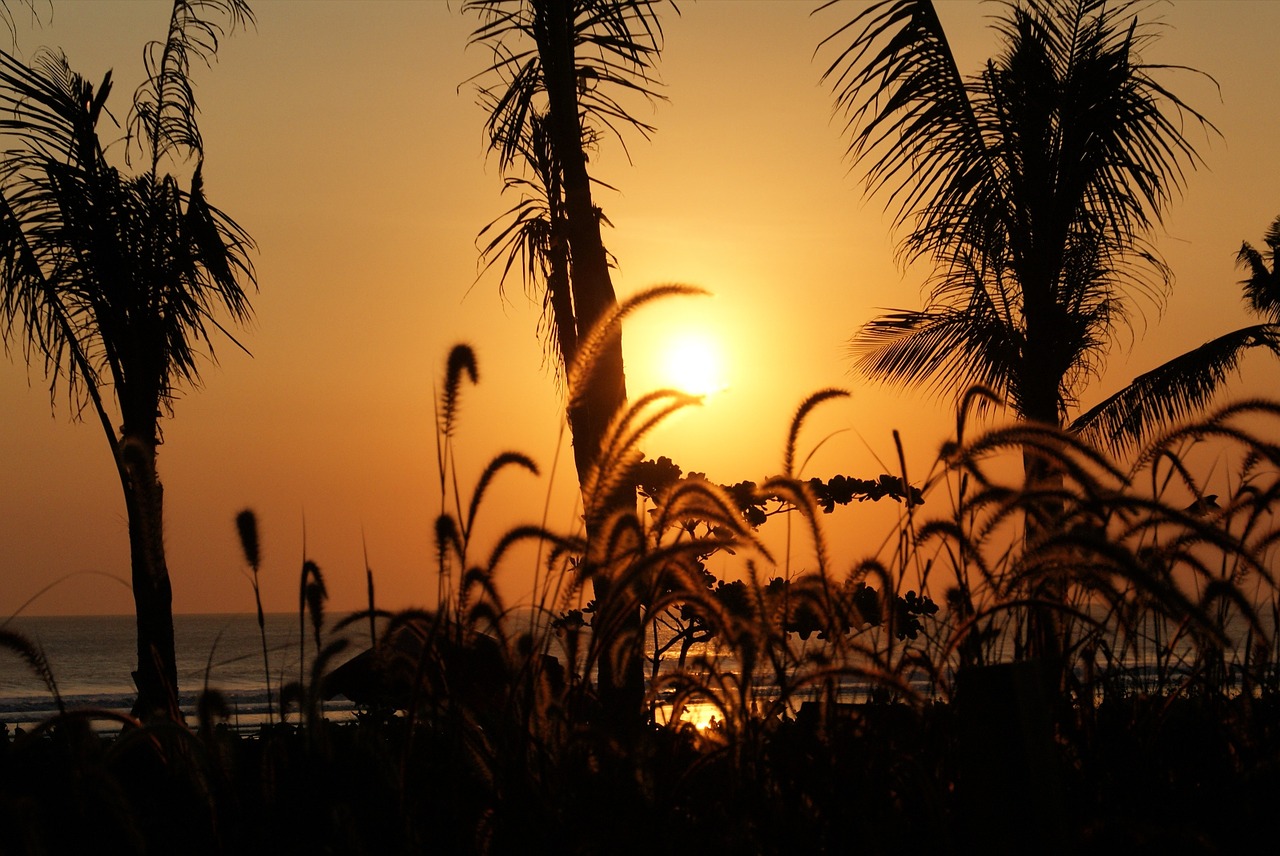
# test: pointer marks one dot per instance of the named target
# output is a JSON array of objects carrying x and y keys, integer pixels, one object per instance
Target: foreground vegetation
[{"x": 879, "y": 708}]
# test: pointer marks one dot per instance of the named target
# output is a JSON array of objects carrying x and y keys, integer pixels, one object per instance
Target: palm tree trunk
[
  {"x": 156, "y": 677},
  {"x": 560, "y": 297},
  {"x": 593, "y": 298},
  {"x": 1049, "y": 593},
  {"x": 592, "y": 287},
  {"x": 1041, "y": 404}
]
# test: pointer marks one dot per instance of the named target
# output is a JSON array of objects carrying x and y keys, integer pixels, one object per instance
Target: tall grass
[
  {"x": 247, "y": 528},
  {"x": 882, "y": 703}
]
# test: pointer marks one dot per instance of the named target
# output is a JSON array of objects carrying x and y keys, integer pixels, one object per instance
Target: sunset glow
[
  {"x": 693, "y": 363},
  {"x": 324, "y": 424}
]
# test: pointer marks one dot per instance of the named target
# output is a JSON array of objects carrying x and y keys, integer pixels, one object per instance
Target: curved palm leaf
[
  {"x": 1171, "y": 392},
  {"x": 616, "y": 43},
  {"x": 1177, "y": 389},
  {"x": 534, "y": 242},
  {"x": 909, "y": 113},
  {"x": 1262, "y": 286},
  {"x": 934, "y": 347},
  {"x": 164, "y": 105},
  {"x": 54, "y": 112}
]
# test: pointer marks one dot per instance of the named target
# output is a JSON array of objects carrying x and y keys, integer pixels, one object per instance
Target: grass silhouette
[{"x": 807, "y": 710}]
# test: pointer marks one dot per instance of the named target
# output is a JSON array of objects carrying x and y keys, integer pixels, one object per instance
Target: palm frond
[
  {"x": 164, "y": 106},
  {"x": 531, "y": 239},
  {"x": 111, "y": 276},
  {"x": 53, "y": 113},
  {"x": 1029, "y": 185},
  {"x": 9, "y": 22},
  {"x": 909, "y": 116},
  {"x": 1171, "y": 392},
  {"x": 1262, "y": 287},
  {"x": 942, "y": 348},
  {"x": 616, "y": 44}
]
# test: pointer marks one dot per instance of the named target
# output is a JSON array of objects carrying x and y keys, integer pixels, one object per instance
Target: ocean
[{"x": 91, "y": 658}]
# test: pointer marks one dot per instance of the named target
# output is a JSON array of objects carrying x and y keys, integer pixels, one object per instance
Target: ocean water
[{"x": 91, "y": 658}]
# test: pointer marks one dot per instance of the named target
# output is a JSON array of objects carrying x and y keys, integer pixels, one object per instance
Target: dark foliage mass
[{"x": 881, "y": 778}]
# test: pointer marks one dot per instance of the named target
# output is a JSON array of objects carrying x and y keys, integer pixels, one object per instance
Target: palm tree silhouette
[
  {"x": 1029, "y": 187},
  {"x": 559, "y": 68},
  {"x": 1186, "y": 383},
  {"x": 112, "y": 282}
]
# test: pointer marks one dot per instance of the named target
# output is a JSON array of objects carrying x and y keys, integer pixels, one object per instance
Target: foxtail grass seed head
[{"x": 247, "y": 526}]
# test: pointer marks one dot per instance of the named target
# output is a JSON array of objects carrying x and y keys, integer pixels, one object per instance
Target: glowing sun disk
[{"x": 692, "y": 364}]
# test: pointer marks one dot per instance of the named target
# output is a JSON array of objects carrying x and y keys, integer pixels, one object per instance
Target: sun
[{"x": 691, "y": 362}]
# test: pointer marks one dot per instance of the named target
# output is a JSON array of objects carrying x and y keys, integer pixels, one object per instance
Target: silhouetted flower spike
[
  {"x": 803, "y": 411},
  {"x": 461, "y": 359},
  {"x": 448, "y": 540},
  {"x": 247, "y": 526},
  {"x": 520, "y": 534},
  {"x": 314, "y": 593},
  {"x": 499, "y": 463},
  {"x": 619, "y": 451},
  {"x": 35, "y": 659}
]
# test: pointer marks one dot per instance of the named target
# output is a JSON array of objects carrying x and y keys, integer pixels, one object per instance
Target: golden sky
[{"x": 343, "y": 136}]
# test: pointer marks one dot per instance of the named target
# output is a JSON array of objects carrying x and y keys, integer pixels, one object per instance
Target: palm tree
[
  {"x": 113, "y": 282},
  {"x": 1186, "y": 383},
  {"x": 1029, "y": 187},
  {"x": 558, "y": 70}
]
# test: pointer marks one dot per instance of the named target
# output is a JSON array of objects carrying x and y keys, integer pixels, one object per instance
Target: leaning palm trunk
[
  {"x": 1044, "y": 637},
  {"x": 1038, "y": 385},
  {"x": 591, "y": 286},
  {"x": 577, "y": 54},
  {"x": 593, "y": 300}
]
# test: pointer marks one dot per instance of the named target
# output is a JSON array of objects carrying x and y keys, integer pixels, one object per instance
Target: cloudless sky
[{"x": 345, "y": 138}]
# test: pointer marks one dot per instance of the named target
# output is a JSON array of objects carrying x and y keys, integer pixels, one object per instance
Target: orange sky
[{"x": 343, "y": 137}]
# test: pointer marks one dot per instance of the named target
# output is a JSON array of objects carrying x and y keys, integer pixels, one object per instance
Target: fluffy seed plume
[{"x": 247, "y": 526}]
